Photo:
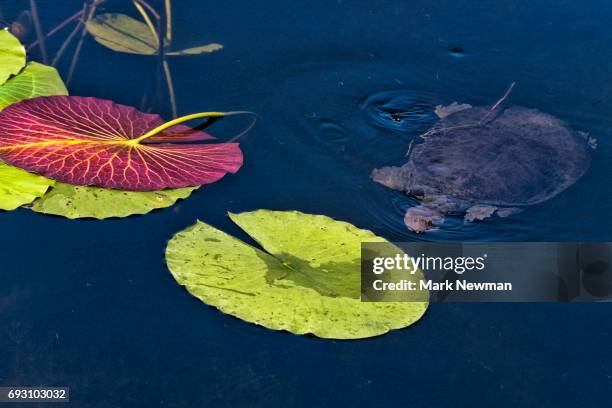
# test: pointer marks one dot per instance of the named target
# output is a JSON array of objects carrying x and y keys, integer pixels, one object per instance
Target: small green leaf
[
  {"x": 12, "y": 55},
  {"x": 18, "y": 187},
  {"x": 123, "y": 34},
  {"x": 92, "y": 202},
  {"x": 197, "y": 50},
  {"x": 35, "y": 80},
  {"x": 306, "y": 281}
]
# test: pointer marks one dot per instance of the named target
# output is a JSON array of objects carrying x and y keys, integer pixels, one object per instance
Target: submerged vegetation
[
  {"x": 124, "y": 34},
  {"x": 153, "y": 36}
]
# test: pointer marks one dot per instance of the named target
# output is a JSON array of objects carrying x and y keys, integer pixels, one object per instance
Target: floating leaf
[
  {"x": 197, "y": 50},
  {"x": 124, "y": 34},
  {"x": 35, "y": 80},
  {"x": 12, "y": 55},
  {"x": 89, "y": 141},
  {"x": 307, "y": 281},
  {"x": 18, "y": 187},
  {"x": 92, "y": 202}
]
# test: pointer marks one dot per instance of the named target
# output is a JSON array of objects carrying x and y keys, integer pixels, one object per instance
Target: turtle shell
[{"x": 515, "y": 157}]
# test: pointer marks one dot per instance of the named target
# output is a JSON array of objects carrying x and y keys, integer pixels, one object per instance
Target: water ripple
[{"x": 399, "y": 111}]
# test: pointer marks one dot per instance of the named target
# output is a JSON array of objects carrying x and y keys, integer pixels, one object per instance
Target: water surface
[{"x": 341, "y": 88}]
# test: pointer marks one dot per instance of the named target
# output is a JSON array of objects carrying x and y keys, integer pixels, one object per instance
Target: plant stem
[
  {"x": 150, "y": 8},
  {"x": 183, "y": 119},
  {"x": 168, "y": 20},
  {"x": 159, "y": 37},
  {"x": 171, "y": 93},
  {"x": 70, "y": 37},
  {"x": 39, "y": 31},
  {"x": 77, "y": 51},
  {"x": 63, "y": 24},
  {"x": 57, "y": 28},
  {"x": 146, "y": 19}
]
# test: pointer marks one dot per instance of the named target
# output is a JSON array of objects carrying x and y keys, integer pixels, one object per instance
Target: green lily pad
[
  {"x": 12, "y": 55},
  {"x": 306, "y": 281},
  {"x": 124, "y": 34},
  {"x": 35, "y": 80},
  {"x": 18, "y": 187},
  {"x": 92, "y": 202}
]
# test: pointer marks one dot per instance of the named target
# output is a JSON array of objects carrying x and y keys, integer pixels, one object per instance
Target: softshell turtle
[{"x": 487, "y": 160}]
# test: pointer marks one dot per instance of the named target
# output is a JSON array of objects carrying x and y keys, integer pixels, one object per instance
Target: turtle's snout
[{"x": 392, "y": 177}]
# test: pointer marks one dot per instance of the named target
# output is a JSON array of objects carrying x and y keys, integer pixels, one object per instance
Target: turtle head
[{"x": 396, "y": 178}]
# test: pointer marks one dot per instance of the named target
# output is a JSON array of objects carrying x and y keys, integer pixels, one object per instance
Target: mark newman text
[{"x": 458, "y": 285}]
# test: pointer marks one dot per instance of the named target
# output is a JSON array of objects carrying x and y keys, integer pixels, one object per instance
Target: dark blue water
[{"x": 91, "y": 305}]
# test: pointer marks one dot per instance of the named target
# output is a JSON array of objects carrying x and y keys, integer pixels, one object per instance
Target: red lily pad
[{"x": 90, "y": 141}]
